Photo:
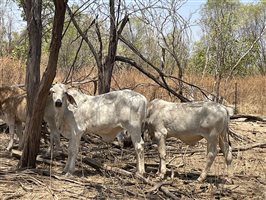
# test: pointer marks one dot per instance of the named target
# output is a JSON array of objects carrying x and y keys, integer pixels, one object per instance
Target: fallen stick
[
  {"x": 236, "y": 136},
  {"x": 163, "y": 189},
  {"x": 158, "y": 185},
  {"x": 247, "y": 147},
  {"x": 234, "y": 149}
]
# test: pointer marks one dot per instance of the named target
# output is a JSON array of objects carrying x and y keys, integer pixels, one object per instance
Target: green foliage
[
  {"x": 19, "y": 46},
  {"x": 198, "y": 59},
  {"x": 230, "y": 29}
]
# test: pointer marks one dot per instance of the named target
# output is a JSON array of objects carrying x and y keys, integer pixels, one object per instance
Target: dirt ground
[{"x": 184, "y": 165}]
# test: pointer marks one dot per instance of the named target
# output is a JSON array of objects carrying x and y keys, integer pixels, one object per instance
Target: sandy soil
[{"x": 184, "y": 163}]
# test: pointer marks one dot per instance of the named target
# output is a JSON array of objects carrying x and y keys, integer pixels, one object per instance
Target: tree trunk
[
  {"x": 217, "y": 83},
  {"x": 35, "y": 116},
  {"x": 104, "y": 77},
  {"x": 180, "y": 76},
  {"x": 105, "y": 71},
  {"x": 33, "y": 11}
]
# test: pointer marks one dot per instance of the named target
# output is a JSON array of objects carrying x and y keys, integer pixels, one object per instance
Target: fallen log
[{"x": 248, "y": 117}]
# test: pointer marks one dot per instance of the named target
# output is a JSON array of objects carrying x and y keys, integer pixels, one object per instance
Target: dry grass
[
  {"x": 11, "y": 71},
  {"x": 251, "y": 90}
]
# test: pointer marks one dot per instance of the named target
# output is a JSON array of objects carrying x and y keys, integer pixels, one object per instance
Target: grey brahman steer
[{"x": 190, "y": 122}]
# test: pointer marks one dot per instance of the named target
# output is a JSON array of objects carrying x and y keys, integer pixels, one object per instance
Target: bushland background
[{"x": 150, "y": 47}]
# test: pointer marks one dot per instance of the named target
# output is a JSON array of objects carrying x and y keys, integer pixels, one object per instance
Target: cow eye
[{"x": 51, "y": 92}]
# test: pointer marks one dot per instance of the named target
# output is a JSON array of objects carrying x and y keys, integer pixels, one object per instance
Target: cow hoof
[
  {"x": 140, "y": 174},
  {"x": 9, "y": 149},
  {"x": 68, "y": 175}
]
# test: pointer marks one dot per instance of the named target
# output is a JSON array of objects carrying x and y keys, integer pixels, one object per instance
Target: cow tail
[
  {"x": 227, "y": 127},
  {"x": 144, "y": 126}
]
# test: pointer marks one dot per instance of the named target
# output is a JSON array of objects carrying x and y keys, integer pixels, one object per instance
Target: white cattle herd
[{"x": 71, "y": 113}]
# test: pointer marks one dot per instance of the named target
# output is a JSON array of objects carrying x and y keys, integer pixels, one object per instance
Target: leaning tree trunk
[
  {"x": 33, "y": 10},
  {"x": 104, "y": 77},
  {"x": 34, "y": 118}
]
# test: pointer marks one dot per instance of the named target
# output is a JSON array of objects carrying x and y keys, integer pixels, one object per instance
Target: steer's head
[{"x": 60, "y": 95}]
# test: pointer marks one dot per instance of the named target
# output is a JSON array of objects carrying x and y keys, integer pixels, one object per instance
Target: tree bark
[
  {"x": 105, "y": 71},
  {"x": 38, "y": 100},
  {"x": 33, "y": 11}
]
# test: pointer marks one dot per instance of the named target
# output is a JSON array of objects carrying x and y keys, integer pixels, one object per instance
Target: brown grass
[{"x": 251, "y": 90}]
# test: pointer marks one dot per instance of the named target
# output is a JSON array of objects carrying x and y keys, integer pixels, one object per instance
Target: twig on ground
[
  {"x": 251, "y": 146},
  {"x": 158, "y": 186},
  {"x": 26, "y": 189},
  {"x": 236, "y": 136},
  {"x": 13, "y": 196}
]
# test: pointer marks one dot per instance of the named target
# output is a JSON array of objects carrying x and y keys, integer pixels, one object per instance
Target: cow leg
[
  {"x": 19, "y": 132},
  {"x": 54, "y": 137},
  {"x": 160, "y": 138},
  {"x": 211, "y": 154},
  {"x": 11, "y": 132},
  {"x": 135, "y": 134},
  {"x": 227, "y": 152},
  {"x": 73, "y": 150},
  {"x": 55, "y": 142}
]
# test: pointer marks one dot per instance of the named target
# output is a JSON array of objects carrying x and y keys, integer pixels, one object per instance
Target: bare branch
[
  {"x": 71, "y": 70},
  {"x": 98, "y": 33},
  {"x": 124, "y": 22},
  {"x": 151, "y": 76},
  {"x": 83, "y": 35}
]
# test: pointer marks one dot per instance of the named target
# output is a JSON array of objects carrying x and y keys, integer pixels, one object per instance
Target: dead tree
[
  {"x": 105, "y": 64},
  {"x": 37, "y": 92}
]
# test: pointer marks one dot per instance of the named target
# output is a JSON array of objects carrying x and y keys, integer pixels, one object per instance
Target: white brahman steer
[
  {"x": 105, "y": 115},
  {"x": 190, "y": 122}
]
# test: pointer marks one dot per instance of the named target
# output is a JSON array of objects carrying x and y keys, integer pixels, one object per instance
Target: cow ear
[{"x": 71, "y": 99}]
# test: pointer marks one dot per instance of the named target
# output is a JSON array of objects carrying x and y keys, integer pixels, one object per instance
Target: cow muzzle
[{"x": 58, "y": 103}]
